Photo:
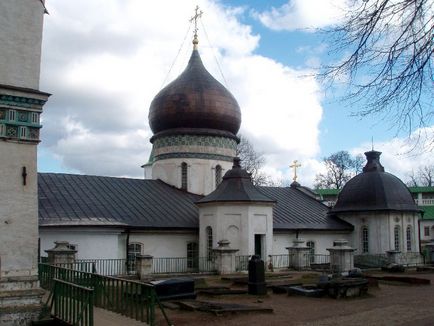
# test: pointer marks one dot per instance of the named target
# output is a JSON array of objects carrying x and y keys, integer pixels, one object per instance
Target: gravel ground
[{"x": 389, "y": 304}]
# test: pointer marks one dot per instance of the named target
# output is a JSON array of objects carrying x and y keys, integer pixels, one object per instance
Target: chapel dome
[
  {"x": 195, "y": 101},
  {"x": 374, "y": 190}
]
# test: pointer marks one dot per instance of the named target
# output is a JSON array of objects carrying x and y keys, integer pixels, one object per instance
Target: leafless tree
[
  {"x": 341, "y": 167},
  {"x": 387, "y": 51},
  {"x": 253, "y": 161},
  {"x": 423, "y": 177}
]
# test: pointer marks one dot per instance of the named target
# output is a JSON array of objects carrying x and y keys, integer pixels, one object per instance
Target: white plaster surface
[
  {"x": 164, "y": 244},
  {"x": 18, "y": 210},
  {"x": 20, "y": 38},
  {"x": 200, "y": 175}
]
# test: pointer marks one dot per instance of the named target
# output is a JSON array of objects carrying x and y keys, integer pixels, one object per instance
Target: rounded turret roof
[
  {"x": 195, "y": 101},
  {"x": 374, "y": 190}
]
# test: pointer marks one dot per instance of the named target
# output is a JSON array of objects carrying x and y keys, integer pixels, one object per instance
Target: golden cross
[
  {"x": 196, "y": 16},
  {"x": 294, "y": 166}
]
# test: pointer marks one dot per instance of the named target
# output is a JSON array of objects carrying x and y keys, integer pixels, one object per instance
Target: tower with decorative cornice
[
  {"x": 195, "y": 120},
  {"x": 21, "y": 105}
]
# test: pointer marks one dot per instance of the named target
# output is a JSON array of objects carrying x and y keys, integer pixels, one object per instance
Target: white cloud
[
  {"x": 303, "y": 14},
  {"x": 104, "y": 61},
  {"x": 402, "y": 155}
]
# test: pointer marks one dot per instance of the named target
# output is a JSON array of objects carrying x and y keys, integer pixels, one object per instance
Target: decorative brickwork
[
  {"x": 204, "y": 156},
  {"x": 19, "y": 101},
  {"x": 14, "y": 119},
  {"x": 193, "y": 140}
]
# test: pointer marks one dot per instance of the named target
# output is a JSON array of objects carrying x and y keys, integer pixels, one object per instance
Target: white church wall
[
  {"x": 18, "y": 209},
  {"x": 237, "y": 223},
  {"x": 21, "y": 35},
  {"x": 164, "y": 244},
  {"x": 381, "y": 227},
  {"x": 200, "y": 173},
  {"x": 90, "y": 243},
  {"x": 322, "y": 240}
]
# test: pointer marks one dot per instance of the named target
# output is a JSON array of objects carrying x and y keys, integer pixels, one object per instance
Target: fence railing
[
  {"x": 126, "y": 297},
  {"x": 278, "y": 261},
  {"x": 106, "y": 267},
  {"x": 183, "y": 265},
  {"x": 242, "y": 263},
  {"x": 72, "y": 303}
]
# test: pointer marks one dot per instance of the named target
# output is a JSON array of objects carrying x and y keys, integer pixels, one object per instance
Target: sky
[{"x": 105, "y": 60}]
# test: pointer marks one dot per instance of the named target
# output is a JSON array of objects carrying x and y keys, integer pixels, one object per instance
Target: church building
[{"x": 195, "y": 193}]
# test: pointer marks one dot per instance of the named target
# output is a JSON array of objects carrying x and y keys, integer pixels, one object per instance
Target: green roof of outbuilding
[
  {"x": 421, "y": 189},
  {"x": 327, "y": 191},
  {"x": 428, "y": 212}
]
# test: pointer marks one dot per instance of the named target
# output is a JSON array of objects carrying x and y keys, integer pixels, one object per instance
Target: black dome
[
  {"x": 374, "y": 190},
  {"x": 195, "y": 100}
]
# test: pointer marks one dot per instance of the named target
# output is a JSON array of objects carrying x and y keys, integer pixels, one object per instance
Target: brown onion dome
[
  {"x": 374, "y": 190},
  {"x": 195, "y": 101}
]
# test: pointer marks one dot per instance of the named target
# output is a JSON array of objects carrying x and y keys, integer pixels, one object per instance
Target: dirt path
[{"x": 386, "y": 305}]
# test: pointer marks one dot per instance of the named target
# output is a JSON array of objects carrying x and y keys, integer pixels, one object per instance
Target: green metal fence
[
  {"x": 127, "y": 297},
  {"x": 278, "y": 261},
  {"x": 72, "y": 303},
  {"x": 242, "y": 263},
  {"x": 183, "y": 265}
]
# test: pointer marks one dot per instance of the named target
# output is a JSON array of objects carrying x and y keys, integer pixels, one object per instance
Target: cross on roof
[
  {"x": 294, "y": 166},
  {"x": 195, "y": 18}
]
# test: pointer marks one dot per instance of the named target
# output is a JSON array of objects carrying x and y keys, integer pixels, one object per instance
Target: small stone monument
[
  {"x": 224, "y": 257},
  {"x": 61, "y": 254},
  {"x": 393, "y": 256},
  {"x": 298, "y": 254},
  {"x": 341, "y": 256},
  {"x": 144, "y": 265},
  {"x": 256, "y": 283}
]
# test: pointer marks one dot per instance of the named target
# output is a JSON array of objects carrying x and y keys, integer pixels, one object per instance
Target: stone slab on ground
[
  {"x": 219, "y": 308},
  {"x": 104, "y": 317}
]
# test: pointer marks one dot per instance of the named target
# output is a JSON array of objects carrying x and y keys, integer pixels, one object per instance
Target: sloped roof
[
  {"x": 428, "y": 212},
  {"x": 67, "y": 199},
  {"x": 296, "y": 210},
  {"x": 83, "y": 200}
]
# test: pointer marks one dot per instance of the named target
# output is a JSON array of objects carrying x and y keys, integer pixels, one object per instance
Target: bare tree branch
[{"x": 389, "y": 68}]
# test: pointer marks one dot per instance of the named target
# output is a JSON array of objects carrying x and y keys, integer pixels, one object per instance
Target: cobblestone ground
[{"x": 389, "y": 304}]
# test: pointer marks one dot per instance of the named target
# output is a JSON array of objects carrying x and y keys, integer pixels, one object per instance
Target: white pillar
[{"x": 144, "y": 266}]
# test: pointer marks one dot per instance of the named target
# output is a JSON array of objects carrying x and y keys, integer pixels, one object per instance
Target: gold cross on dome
[
  {"x": 195, "y": 18},
  {"x": 294, "y": 166}
]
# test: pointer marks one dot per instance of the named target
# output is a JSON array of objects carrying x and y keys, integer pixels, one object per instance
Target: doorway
[{"x": 259, "y": 245}]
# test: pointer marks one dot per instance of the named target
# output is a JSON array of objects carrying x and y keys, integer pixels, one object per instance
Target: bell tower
[{"x": 21, "y": 104}]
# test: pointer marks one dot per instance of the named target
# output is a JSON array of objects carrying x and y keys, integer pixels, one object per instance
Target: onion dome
[
  {"x": 236, "y": 186},
  {"x": 195, "y": 102},
  {"x": 374, "y": 190}
]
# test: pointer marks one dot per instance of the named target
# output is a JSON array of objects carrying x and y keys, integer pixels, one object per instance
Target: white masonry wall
[
  {"x": 237, "y": 223},
  {"x": 200, "y": 173},
  {"x": 321, "y": 239},
  {"x": 20, "y": 39},
  {"x": 92, "y": 243},
  {"x": 18, "y": 210},
  {"x": 381, "y": 227}
]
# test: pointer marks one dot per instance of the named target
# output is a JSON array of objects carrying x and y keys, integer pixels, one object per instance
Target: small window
[
  {"x": 209, "y": 242},
  {"x": 408, "y": 237},
  {"x": 397, "y": 237},
  {"x": 365, "y": 240},
  {"x": 134, "y": 250},
  {"x": 12, "y": 115},
  {"x": 23, "y": 132},
  {"x": 311, "y": 246},
  {"x": 218, "y": 175},
  {"x": 192, "y": 255},
  {"x": 426, "y": 231},
  {"x": 184, "y": 176},
  {"x": 35, "y": 118}
]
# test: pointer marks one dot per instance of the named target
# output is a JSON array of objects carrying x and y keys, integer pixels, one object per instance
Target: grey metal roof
[
  {"x": 374, "y": 190},
  {"x": 236, "y": 186},
  {"x": 82, "y": 200},
  {"x": 67, "y": 199},
  {"x": 296, "y": 210}
]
